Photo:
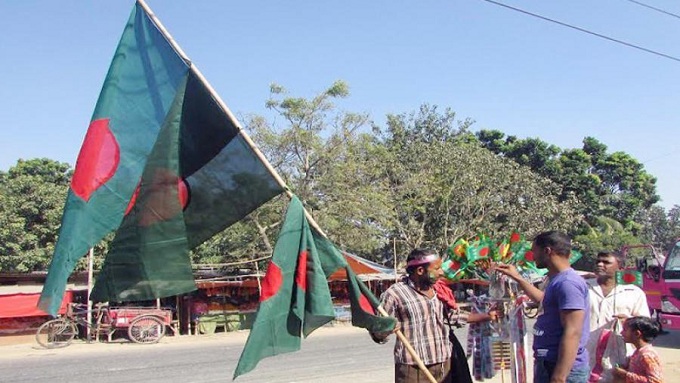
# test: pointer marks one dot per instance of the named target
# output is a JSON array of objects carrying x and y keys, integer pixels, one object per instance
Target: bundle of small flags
[{"x": 471, "y": 259}]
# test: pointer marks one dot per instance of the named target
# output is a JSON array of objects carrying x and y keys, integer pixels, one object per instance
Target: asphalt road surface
[{"x": 331, "y": 354}]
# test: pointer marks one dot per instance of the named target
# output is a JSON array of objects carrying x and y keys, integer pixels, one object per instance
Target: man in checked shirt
[{"x": 420, "y": 316}]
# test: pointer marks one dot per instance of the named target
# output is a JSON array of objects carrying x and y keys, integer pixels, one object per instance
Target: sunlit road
[{"x": 339, "y": 354}]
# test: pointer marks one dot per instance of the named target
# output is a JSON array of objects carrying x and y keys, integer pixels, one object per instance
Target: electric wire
[
  {"x": 654, "y": 8},
  {"x": 585, "y": 31}
]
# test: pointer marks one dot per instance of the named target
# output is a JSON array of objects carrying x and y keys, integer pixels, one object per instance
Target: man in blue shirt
[{"x": 561, "y": 330}]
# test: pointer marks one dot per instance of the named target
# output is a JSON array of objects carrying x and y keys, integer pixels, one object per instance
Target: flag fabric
[
  {"x": 139, "y": 88},
  {"x": 295, "y": 298},
  {"x": 162, "y": 161},
  {"x": 200, "y": 178},
  {"x": 629, "y": 277}
]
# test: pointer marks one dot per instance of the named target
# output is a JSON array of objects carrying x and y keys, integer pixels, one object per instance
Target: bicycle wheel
[
  {"x": 56, "y": 333},
  {"x": 146, "y": 329}
]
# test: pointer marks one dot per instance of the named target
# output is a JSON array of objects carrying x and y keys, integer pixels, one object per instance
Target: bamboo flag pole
[{"x": 261, "y": 156}]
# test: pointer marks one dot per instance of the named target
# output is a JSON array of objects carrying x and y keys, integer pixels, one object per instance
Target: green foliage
[
  {"x": 613, "y": 185},
  {"x": 659, "y": 227},
  {"x": 32, "y": 195},
  {"x": 313, "y": 152},
  {"x": 443, "y": 187},
  {"x": 606, "y": 234}
]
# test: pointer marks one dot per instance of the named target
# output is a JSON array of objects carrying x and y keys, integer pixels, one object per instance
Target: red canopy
[
  {"x": 359, "y": 266},
  {"x": 25, "y": 305}
]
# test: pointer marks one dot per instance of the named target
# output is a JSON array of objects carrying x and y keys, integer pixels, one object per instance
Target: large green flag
[
  {"x": 295, "y": 298},
  {"x": 137, "y": 93},
  {"x": 162, "y": 157},
  {"x": 201, "y": 177}
]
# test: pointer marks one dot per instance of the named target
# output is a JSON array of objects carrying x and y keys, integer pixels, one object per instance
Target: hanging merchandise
[
  {"x": 473, "y": 259},
  {"x": 499, "y": 346}
]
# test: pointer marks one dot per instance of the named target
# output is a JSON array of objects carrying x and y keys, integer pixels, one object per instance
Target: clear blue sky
[{"x": 506, "y": 70}]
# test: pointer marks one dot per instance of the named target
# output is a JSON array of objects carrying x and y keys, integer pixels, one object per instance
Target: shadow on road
[{"x": 668, "y": 340}]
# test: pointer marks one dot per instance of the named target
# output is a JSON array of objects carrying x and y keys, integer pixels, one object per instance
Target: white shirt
[{"x": 623, "y": 299}]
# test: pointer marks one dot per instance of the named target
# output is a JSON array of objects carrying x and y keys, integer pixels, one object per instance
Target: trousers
[
  {"x": 543, "y": 370},
  {"x": 406, "y": 373}
]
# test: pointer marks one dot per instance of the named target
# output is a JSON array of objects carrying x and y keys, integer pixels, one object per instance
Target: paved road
[
  {"x": 339, "y": 354},
  {"x": 332, "y": 354}
]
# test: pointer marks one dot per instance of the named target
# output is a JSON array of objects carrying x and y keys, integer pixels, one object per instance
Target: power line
[
  {"x": 654, "y": 8},
  {"x": 585, "y": 31}
]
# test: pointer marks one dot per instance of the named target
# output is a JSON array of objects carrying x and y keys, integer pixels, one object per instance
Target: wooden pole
[
  {"x": 259, "y": 154},
  {"x": 90, "y": 266},
  {"x": 396, "y": 275},
  {"x": 178, "y": 312},
  {"x": 259, "y": 283}
]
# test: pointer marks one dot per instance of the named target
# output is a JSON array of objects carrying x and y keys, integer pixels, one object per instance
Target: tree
[
  {"x": 443, "y": 187},
  {"x": 32, "y": 195},
  {"x": 659, "y": 227},
  {"x": 613, "y": 185},
  {"x": 607, "y": 234},
  {"x": 327, "y": 163},
  {"x": 626, "y": 187},
  {"x": 573, "y": 172},
  {"x": 314, "y": 151}
]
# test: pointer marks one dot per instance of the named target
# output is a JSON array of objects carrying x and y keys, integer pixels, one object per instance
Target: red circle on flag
[
  {"x": 98, "y": 159},
  {"x": 484, "y": 252},
  {"x": 133, "y": 200},
  {"x": 183, "y": 192},
  {"x": 301, "y": 271},
  {"x": 629, "y": 278},
  {"x": 529, "y": 256},
  {"x": 183, "y": 195},
  {"x": 366, "y": 305},
  {"x": 272, "y": 282}
]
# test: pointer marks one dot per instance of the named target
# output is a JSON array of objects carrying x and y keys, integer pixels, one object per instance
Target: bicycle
[{"x": 143, "y": 325}]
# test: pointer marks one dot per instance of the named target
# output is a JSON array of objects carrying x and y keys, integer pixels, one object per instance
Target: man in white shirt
[{"x": 610, "y": 301}]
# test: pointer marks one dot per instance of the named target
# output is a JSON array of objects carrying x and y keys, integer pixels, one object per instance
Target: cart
[{"x": 144, "y": 325}]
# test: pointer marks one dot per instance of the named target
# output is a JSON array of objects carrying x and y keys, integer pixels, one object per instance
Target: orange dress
[{"x": 644, "y": 366}]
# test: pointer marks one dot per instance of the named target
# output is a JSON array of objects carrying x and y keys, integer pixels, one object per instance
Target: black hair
[
  {"x": 648, "y": 327},
  {"x": 556, "y": 240},
  {"x": 417, "y": 254},
  {"x": 616, "y": 254}
]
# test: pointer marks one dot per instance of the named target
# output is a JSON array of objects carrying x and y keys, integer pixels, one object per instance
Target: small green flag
[
  {"x": 629, "y": 277},
  {"x": 575, "y": 256},
  {"x": 295, "y": 297}
]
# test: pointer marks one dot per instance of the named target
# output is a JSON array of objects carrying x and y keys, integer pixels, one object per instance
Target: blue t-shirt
[{"x": 565, "y": 291}]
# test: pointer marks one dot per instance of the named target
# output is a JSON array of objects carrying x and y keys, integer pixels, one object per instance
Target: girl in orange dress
[{"x": 644, "y": 366}]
